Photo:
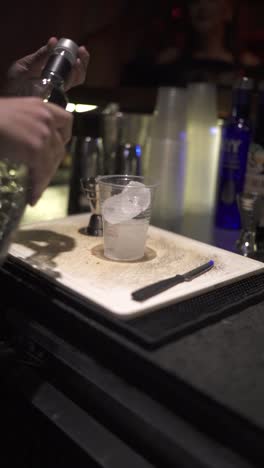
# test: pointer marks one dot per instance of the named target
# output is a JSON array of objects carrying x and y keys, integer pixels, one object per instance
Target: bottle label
[
  {"x": 232, "y": 170},
  {"x": 231, "y": 157},
  {"x": 231, "y": 150},
  {"x": 255, "y": 170}
]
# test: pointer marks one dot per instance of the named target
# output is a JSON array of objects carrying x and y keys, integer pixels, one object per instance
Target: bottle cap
[
  {"x": 68, "y": 47},
  {"x": 244, "y": 83},
  {"x": 61, "y": 60}
]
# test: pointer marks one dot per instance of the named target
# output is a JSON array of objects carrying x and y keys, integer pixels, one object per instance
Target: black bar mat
[
  {"x": 161, "y": 326},
  {"x": 154, "y": 329}
]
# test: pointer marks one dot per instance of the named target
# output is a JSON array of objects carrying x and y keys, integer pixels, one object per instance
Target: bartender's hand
[
  {"x": 32, "y": 65},
  {"x": 35, "y": 133}
]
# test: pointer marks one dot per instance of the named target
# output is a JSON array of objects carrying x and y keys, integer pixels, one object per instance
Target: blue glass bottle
[{"x": 236, "y": 138}]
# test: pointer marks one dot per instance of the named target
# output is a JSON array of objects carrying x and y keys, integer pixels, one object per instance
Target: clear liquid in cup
[{"x": 125, "y": 241}]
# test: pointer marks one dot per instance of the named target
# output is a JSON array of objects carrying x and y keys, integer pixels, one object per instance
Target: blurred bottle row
[
  {"x": 105, "y": 141},
  {"x": 180, "y": 139},
  {"x": 201, "y": 163}
]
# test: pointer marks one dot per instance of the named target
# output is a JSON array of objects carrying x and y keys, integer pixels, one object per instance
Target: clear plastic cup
[{"x": 126, "y": 203}]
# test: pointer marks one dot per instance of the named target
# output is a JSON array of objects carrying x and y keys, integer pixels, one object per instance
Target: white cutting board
[{"x": 58, "y": 250}]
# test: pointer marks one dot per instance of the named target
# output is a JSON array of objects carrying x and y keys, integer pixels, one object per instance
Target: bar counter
[{"x": 81, "y": 388}]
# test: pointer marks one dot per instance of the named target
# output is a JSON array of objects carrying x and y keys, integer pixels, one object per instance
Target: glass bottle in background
[
  {"x": 133, "y": 137},
  {"x": 14, "y": 181},
  {"x": 128, "y": 159},
  {"x": 254, "y": 182},
  {"x": 249, "y": 205},
  {"x": 235, "y": 141}
]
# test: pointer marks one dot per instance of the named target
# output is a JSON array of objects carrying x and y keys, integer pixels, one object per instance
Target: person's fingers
[
  {"x": 51, "y": 43},
  {"x": 32, "y": 64},
  {"x": 60, "y": 126},
  {"x": 35, "y": 133},
  {"x": 46, "y": 147},
  {"x": 31, "y": 59},
  {"x": 42, "y": 51},
  {"x": 57, "y": 150},
  {"x": 63, "y": 121},
  {"x": 84, "y": 56},
  {"x": 47, "y": 165},
  {"x": 79, "y": 70},
  {"x": 37, "y": 60}
]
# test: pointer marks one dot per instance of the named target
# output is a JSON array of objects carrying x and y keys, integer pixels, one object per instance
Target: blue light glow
[
  {"x": 213, "y": 130},
  {"x": 138, "y": 151}
]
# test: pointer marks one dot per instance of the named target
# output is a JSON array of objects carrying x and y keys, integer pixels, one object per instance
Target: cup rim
[{"x": 104, "y": 180}]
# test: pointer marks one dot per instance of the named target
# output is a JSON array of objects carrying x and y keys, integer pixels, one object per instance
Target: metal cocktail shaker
[
  {"x": 91, "y": 190},
  {"x": 87, "y": 157},
  {"x": 111, "y": 127}
]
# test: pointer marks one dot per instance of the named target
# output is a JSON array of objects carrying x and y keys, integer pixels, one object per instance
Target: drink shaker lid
[{"x": 67, "y": 47}]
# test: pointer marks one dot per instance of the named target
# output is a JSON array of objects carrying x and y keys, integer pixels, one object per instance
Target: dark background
[{"x": 116, "y": 32}]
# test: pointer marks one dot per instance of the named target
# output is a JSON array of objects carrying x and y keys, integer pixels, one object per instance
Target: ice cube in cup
[{"x": 138, "y": 195}]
